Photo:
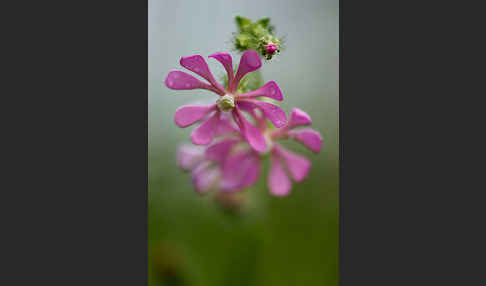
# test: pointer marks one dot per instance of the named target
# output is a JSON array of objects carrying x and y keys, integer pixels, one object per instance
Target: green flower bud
[
  {"x": 256, "y": 36},
  {"x": 242, "y": 42}
]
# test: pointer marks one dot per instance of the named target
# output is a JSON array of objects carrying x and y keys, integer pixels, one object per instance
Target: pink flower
[
  {"x": 239, "y": 166},
  {"x": 296, "y": 166},
  {"x": 207, "y": 165},
  {"x": 205, "y": 174},
  {"x": 211, "y": 116}
]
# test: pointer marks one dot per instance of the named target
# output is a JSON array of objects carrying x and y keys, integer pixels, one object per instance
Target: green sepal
[
  {"x": 243, "y": 41},
  {"x": 242, "y": 23},
  {"x": 265, "y": 22}
]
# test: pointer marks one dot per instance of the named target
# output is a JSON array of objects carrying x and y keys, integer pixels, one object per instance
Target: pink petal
[
  {"x": 278, "y": 181},
  {"x": 245, "y": 105},
  {"x": 309, "y": 137},
  {"x": 252, "y": 135},
  {"x": 179, "y": 80},
  {"x": 220, "y": 150},
  {"x": 299, "y": 118},
  {"x": 198, "y": 65},
  {"x": 240, "y": 171},
  {"x": 250, "y": 61},
  {"x": 273, "y": 112},
  {"x": 189, "y": 156},
  {"x": 225, "y": 126},
  {"x": 188, "y": 114},
  {"x": 270, "y": 89},
  {"x": 226, "y": 60},
  {"x": 297, "y": 165},
  {"x": 204, "y": 177},
  {"x": 204, "y": 133},
  {"x": 250, "y": 109}
]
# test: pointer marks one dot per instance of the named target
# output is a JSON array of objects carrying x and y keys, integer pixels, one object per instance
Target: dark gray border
[{"x": 79, "y": 150}]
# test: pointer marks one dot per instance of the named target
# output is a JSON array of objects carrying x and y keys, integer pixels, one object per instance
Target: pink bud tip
[{"x": 270, "y": 48}]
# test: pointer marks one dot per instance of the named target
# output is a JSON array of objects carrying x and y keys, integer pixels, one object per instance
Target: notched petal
[
  {"x": 198, "y": 65},
  {"x": 297, "y": 165},
  {"x": 189, "y": 114},
  {"x": 205, "y": 132},
  {"x": 250, "y": 61},
  {"x": 227, "y": 62},
  {"x": 252, "y": 134},
  {"x": 270, "y": 90},
  {"x": 309, "y": 137},
  {"x": 271, "y": 111},
  {"x": 278, "y": 181},
  {"x": 179, "y": 80},
  {"x": 299, "y": 117}
]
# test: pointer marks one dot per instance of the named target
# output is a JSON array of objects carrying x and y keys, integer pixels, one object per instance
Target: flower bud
[
  {"x": 258, "y": 35},
  {"x": 270, "y": 48}
]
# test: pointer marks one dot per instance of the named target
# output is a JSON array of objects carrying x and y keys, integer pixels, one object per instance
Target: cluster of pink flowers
[{"x": 228, "y": 149}]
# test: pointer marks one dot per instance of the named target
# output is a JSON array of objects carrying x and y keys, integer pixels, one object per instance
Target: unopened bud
[
  {"x": 271, "y": 48},
  {"x": 258, "y": 35}
]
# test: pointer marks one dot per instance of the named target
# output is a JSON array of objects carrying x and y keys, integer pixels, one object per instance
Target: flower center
[{"x": 226, "y": 102}]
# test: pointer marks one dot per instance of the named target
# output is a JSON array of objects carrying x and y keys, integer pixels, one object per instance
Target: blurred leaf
[
  {"x": 251, "y": 81},
  {"x": 242, "y": 23},
  {"x": 243, "y": 41},
  {"x": 264, "y": 22}
]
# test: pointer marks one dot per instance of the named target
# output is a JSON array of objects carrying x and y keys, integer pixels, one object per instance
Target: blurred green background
[{"x": 193, "y": 239}]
